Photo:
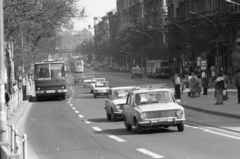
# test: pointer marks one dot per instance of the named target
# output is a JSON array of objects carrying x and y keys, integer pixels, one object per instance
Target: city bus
[
  {"x": 50, "y": 80},
  {"x": 158, "y": 68}
]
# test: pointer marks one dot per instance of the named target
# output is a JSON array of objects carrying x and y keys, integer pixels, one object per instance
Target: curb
[{"x": 211, "y": 112}]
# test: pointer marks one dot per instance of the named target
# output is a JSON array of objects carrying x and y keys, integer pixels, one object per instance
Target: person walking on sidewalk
[
  {"x": 177, "y": 86},
  {"x": 237, "y": 83},
  {"x": 193, "y": 85},
  {"x": 199, "y": 86},
  {"x": 205, "y": 82},
  {"x": 219, "y": 89}
]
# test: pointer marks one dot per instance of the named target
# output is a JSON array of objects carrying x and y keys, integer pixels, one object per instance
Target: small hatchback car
[
  {"x": 152, "y": 108},
  {"x": 101, "y": 89},
  {"x": 136, "y": 72}
]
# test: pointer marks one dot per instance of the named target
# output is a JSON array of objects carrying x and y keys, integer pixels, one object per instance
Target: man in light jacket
[{"x": 220, "y": 85}]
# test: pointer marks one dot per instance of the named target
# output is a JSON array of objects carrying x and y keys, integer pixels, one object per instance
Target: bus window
[
  {"x": 41, "y": 71},
  {"x": 57, "y": 71},
  {"x": 164, "y": 64}
]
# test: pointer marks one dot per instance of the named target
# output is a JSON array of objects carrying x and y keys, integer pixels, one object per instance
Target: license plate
[
  {"x": 164, "y": 120},
  {"x": 50, "y": 91}
]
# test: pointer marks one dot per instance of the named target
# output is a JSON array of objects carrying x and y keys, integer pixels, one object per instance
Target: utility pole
[{"x": 3, "y": 118}]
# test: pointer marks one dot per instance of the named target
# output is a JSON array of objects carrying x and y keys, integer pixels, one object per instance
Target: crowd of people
[{"x": 199, "y": 83}]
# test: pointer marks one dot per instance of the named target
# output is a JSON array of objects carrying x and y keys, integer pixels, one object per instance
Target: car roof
[
  {"x": 119, "y": 88},
  {"x": 151, "y": 90},
  {"x": 98, "y": 78}
]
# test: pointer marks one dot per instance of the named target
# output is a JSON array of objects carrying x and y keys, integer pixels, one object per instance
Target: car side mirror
[{"x": 178, "y": 101}]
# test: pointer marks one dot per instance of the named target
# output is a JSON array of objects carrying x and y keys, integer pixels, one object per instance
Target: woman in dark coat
[{"x": 205, "y": 82}]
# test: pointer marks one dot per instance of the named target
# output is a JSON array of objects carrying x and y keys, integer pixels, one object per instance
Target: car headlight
[
  {"x": 118, "y": 108},
  {"x": 179, "y": 113},
  {"x": 63, "y": 87},
  {"x": 144, "y": 116},
  {"x": 38, "y": 88}
]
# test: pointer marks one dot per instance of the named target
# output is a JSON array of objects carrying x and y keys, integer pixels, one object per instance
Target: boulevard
[{"x": 78, "y": 128}]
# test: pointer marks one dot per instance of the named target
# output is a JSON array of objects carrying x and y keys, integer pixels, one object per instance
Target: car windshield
[
  {"x": 153, "y": 97},
  {"x": 101, "y": 84},
  {"x": 122, "y": 93}
]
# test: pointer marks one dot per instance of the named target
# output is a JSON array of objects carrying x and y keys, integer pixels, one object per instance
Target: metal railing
[{"x": 17, "y": 142}]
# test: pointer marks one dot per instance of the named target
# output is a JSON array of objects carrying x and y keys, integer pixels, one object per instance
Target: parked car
[
  {"x": 152, "y": 108},
  {"x": 96, "y": 68},
  {"x": 115, "y": 101}
]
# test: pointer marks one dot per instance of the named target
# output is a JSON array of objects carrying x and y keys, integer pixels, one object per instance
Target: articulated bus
[
  {"x": 158, "y": 68},
  {"x": 50, "y": 80}
]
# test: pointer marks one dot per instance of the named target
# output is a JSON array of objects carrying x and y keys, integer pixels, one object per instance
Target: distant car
[
  {"x": 101, "y": 89},
  {"x": 115, "y": 101},
  {"x": 87, "y": 65},
  {"x": 136, "y": 72},
  {"x": 152, "y": 108},
  {"x": 87, "y": 81},
  {"x": 78, "y": 77},
  {"x": 96, "y": 68},
  {"x": 93, "y": 81}
]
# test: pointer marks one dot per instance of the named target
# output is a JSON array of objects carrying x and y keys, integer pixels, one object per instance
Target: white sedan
[
  {"x": 101, "y": 89},
  {"x": 152, "y": 108},
  {"x": 115, "y": 101},
  {"x": 87, "y": 80},
  {"x": 93, "y": 81}
]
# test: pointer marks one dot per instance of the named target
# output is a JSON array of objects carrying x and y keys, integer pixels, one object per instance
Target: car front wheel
[
  {"x": 180, "y": 127},
  {"x": 128, "y": 126},
  {"x": 113, "y": 116},
  {"x": 108, "y": 116},
  {"x": 139, "y": 128},
  {"x": 95, "y": 96}
]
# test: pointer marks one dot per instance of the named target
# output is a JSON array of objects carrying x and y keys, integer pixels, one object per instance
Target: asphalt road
[{"x": 77, "y": 128}]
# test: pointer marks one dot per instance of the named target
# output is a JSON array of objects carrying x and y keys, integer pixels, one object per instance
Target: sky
[{"x": 93, "y": 8}]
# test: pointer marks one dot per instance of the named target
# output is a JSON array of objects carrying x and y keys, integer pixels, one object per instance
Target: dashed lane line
[
  {"x": 71, "y": 105},
  {"x": 97, "y": 129},
  {"x": 149, "y": 153},
  {"x": 116, "y": 138},
  {"x": 213, "y": 132},
  {"x": 73, "y": 108},
  {"x": 87, "y": 122},
  {"x": 81, "y": 116},
  {"x": 77, "y": 111}
]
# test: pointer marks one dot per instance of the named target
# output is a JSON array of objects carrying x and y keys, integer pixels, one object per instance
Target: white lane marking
[
  {"x": 69, "y": 102},
  {"x": 149, "y": 153},
  {"x": 213, "y": 132},
  {"x": 116, "y": 138},
  {"x": 221, "y": 134},
  {"x": 97, "y": 129},
  {"x": 76, "y": 111},
  {"x": 87, "y": 122},
  {"x": 73, "y": 108},
  {"x": 71, "y": 105},
  {"x": 81, "y": 116}
]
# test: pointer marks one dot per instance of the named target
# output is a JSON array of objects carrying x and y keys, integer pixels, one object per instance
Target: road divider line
[
  {"x": 149, "y": 153},
  {"x": 73, "y": 108},
  {"x": 87, "y": 122},
  {"x": 76, "y": 111},
  {"x": 97, "y": 129},
  {"x": 116, "y": 138},
  {"x": 71, "y": 105},
  {"x": 213, "y": 132},
  {"x": 81, "y": 116}
]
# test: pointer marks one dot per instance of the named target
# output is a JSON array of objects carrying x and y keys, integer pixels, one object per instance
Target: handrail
[{"x": 16, "y": 144}]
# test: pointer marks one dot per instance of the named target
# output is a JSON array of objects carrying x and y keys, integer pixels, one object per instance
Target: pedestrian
[
  {"x": 15, "y": 87},
  {"x": 192, "y": 85},
  {"x": 177, "y": 86},
  {"x": 203, "y": 73},
  {"x": 219, "y": 86},
  {"x": 226, "y": 81},
  {"x": 205, "y": 82},
  {"x": 7, "y": 96},
  {"x": 199, "y": 86},
  {"x": 237, "y": 83}
]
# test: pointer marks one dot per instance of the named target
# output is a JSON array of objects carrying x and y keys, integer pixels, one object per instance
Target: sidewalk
[
  {"x": 205, "y": 103},
  {"x": 18, "y": 117}
]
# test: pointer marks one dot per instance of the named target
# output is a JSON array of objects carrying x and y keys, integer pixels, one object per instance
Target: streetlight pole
[
  {"x": 216, "y": 33},
  {"x": 186, "y": 36},
  {"x": 3, "y": 118}
]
